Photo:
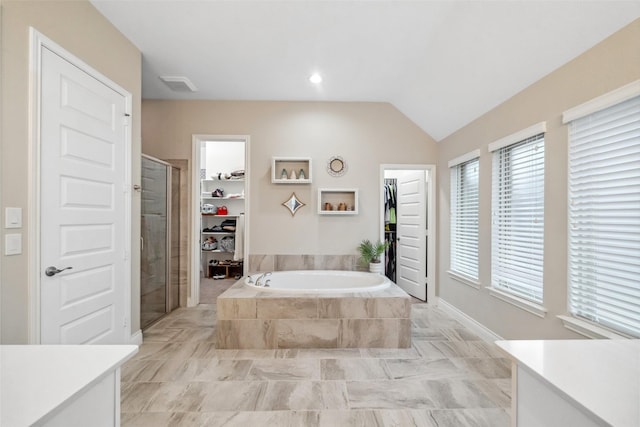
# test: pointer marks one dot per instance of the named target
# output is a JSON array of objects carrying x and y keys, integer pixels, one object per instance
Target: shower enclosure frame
[{"x": 168, "y": 253}]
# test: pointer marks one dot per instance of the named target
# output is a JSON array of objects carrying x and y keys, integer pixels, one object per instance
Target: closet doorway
[
  {"x": 407, "y": 223},
  {"x": 220, "y": 205}
]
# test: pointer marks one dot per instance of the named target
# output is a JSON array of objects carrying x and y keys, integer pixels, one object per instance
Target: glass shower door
[{"x": 154, "y": 271}]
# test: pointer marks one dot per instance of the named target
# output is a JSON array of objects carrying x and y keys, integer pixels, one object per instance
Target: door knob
[{"x": 52, "y": 271}]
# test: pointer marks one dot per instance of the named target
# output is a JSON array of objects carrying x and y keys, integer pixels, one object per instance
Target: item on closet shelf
[
  {"x": 328, "y": 206},
  {"x": 227, "y": 244},
  {"x": 218, "y": 192},
  {"x": 228, "y": 225},
  {"x": 221, "y": 176},
  {"x": 293, "y": 175},
  {"x": 210, "y": 244},
  {"x": 301, "y": 174},
  {"x": 209, "y": 209},
  {"x": 213, "y": 262},
  {"x": 222, "y": 210},
  {"x": 284, "y": 175},
  {"x": 342, "y": 207}
]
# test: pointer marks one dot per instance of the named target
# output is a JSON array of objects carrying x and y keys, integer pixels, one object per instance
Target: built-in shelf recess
[
  {"x": 290, "y": 167},
  {"x": 338, "y": 201}
]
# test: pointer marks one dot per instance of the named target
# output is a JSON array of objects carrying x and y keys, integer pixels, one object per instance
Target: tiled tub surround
[
  {"x": 251, "y": 319},
  {"x": 304, "y": 262}
]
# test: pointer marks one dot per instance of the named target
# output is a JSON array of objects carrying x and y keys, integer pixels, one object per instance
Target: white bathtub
[{"x": 319, "y": 281}]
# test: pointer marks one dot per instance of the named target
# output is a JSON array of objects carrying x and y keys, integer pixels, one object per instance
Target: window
[
  {"x": 464, "y": 219},
  {"x": 517, "y": 233},
  {"x": 604, "y": 216}
]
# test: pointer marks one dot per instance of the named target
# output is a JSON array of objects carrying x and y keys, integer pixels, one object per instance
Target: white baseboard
[
  {"x": 478, "y": 328},
  {"x": 136, "y": 338}
]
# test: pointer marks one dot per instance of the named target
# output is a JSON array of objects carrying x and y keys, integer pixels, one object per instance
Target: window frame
[
  {"x": 456, "y": 166},
  {"x": 598, "y": 324},
  {"x": 534, "y": 134}
]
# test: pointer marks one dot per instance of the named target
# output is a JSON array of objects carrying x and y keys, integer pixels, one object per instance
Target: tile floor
[{"x": 449, "y": 377}]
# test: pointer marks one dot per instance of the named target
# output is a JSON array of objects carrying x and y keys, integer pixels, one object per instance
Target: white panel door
[
  {"x": 82, "y": 207},
  {"x": 411, "y": 259}
]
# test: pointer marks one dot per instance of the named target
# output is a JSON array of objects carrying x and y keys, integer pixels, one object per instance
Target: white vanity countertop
[
  {"x": 36, "y": 379},
  {"x": 602, "y": 376}
]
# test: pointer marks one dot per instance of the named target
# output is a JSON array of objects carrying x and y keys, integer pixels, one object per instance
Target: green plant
[{"x": 371, "y": 252}]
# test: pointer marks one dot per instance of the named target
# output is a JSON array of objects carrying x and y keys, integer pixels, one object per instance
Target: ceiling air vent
[{"x": 179, "y": 83}]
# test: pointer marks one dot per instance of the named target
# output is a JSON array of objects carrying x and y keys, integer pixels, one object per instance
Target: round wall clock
[{"x": 336, "y": 166}]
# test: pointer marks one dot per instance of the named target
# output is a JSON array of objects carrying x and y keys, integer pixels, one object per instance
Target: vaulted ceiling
[{"x": 441, "y": 63}]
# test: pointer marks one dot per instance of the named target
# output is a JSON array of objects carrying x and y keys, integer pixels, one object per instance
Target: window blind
[
  {"x": 464, "y": 219},
  {"x": 604, "y": 217},
  {"x": 517, "y": 234}
]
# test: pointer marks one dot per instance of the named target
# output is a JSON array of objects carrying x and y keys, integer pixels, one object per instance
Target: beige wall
[
  {"x": 79, "y": 28},
  {"x": 364, "y": 134},
  {"x": 607, "y": 66}
]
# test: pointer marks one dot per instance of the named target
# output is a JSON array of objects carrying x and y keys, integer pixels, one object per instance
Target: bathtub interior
[{"x": 317, "y": 281}]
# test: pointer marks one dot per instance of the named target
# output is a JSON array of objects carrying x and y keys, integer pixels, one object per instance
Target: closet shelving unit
[{"x": 233, "y": 199}]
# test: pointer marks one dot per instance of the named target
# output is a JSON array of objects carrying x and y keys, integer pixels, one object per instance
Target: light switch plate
[
  {"x": 13, "y": 218},
  {"x": 13, "y": 244}
]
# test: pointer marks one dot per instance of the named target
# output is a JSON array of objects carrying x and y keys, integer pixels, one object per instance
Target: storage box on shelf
[
  {"x": 291, "y": 170},
  {"x": 337, "y": 201}
]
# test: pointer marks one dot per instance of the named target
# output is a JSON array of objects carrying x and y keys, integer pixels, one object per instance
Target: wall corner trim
[
  {"x": 482, "y": 331},
  {"x": 136, "y": 338}
]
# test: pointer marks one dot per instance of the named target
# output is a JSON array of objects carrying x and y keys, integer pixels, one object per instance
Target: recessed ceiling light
[{"x": 315, "y": 78}]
